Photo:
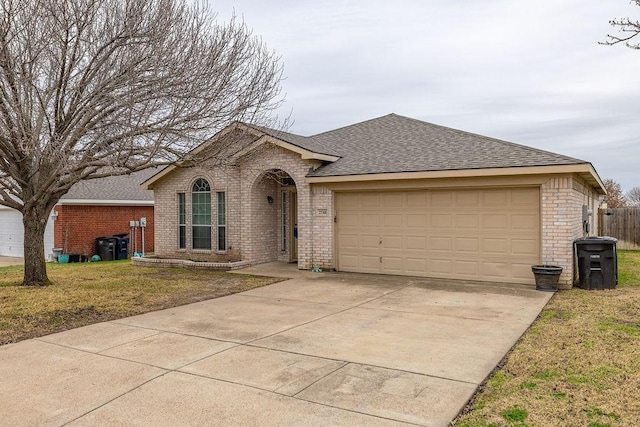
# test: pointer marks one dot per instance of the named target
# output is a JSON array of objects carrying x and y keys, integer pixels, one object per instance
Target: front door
[{"x": 293, "y": 226}]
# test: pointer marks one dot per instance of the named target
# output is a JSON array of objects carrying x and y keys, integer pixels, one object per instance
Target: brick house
[
  {"x": 392, "y": 195},
  {"x": 103, "y": 207}
]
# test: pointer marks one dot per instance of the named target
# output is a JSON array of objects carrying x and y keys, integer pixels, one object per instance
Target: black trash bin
[
  {"x": 597, "y": 262},
  {"x": 122, "y": 246},
  {"x": 107, "y": 248}
]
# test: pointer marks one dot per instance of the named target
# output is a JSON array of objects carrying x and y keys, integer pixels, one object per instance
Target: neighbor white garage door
[
  {"x": 12, "y": 234},
  {"x": 486, "y": 234}
]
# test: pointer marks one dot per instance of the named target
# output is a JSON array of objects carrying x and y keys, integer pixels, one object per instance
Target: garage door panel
[
  {"x": 495, "y": 198},
  {"x": 417, "y": 242},
  {"x": 440, "y": 221},
  {"x": 393, "y": 200},
  {"x": 467, "y": 244},
  {"x": 495, "y": 270},
  {"x": 393, "y": 220},
  {"x": 440, "y": 267},
  {"x": 416, "y": 199},
  {"x": 440, "y": 199},
  {"x": 524, "y": 247},
  {"x": 495, "y": 221},
  {"x": 350, "y": 241},
  {"x": 392, "y": 264},
  {"x": 392, "y": 242},
  {"x": 370, "y": 262},
  {"x": 524, "y": 221},
  {"x": 348, "y": 262},
  {"x": 467, "y": 268},
  {"x": 349, "y": 201},
  {"x": 416, "y": 266},
  {"x": 467, "y": 199},
  {"x": 521, "y": 272},
  {"x": 349, "y": 220},
  {"x": 485, "y": 234},
  {"x": 416, "y": 220},
  {"x": 370, "y": 241},
  {"x": 441, "y": 244},
  {"x": 495, "y": 246},
  {"x": 370, "y": 220},
  {"x": 467, "y": 221},
  {"x": 370, "y": 200}
]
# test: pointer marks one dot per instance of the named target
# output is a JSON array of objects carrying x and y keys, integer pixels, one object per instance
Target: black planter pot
[{"x": 547, "y": 277}]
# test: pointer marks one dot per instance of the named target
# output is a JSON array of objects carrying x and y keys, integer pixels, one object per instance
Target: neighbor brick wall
[
  {"x": 562, "y": 199},
  {"x": 77, "y": 227}
]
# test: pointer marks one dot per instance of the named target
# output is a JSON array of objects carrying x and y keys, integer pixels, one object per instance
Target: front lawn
[
  {"x": 578, "y": 365},
  {"x": 88, "y": 293}
]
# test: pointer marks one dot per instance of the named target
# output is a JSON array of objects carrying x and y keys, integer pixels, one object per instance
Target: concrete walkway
[
  {"x": 320, "y": 349},
  {"x": 9, "y": 260}
]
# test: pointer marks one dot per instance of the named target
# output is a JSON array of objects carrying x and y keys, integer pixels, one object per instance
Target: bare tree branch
[
  {"x": 627, "y": 28},
  {"x": 90, "y": 88},
  {"x": 633, "y": 196}
]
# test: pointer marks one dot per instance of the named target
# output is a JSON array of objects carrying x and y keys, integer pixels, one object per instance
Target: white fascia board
[{"x": 99, "y": 202}]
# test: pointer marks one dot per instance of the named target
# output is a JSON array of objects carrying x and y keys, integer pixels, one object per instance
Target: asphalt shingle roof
[
  {"x": 122, "y": 187},
  {"x": 306, "y": 142},
  {"x": 394, "y": 143}
]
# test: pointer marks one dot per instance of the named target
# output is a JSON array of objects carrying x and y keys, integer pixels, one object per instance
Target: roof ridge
[{"x": 354, "y": 124}]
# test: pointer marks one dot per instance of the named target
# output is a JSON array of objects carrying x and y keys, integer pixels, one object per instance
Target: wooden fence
[{"x": 621, "y": 223}]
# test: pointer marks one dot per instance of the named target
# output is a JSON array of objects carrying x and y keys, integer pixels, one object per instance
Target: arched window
[{"x": 201, "y": 214}]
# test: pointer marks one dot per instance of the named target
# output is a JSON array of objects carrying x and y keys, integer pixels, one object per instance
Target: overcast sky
[{"x": 530, "y": 72}]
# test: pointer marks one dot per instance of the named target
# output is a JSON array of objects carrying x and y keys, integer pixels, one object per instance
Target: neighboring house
[
  {"x": 91, "y": 209},
  {"x": 12, "y": 233},
  {"x": 104, "y": 207},
  {"x": 391, "y": 195}
]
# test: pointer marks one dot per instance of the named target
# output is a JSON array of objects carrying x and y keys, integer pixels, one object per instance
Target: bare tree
[
  {"x": 615, "y": 196},
  {"x": 633, "y": 196},
  {"x": 628, "y": 30},
  {"x": 90, "y": 88}
]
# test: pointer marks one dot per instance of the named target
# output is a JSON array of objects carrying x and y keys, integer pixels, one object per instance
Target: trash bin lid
[{"x": 595, "y": 239}]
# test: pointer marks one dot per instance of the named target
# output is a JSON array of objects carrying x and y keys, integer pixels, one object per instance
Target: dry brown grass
[
  {"x": 95, "y": 292},
  {"x": 578, "y": 365}
]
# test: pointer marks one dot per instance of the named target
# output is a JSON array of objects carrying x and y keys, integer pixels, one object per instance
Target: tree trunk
[{"x": 35, "y": 269}]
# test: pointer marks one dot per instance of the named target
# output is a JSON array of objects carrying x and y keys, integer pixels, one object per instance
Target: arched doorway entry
[{"x": 274, "y": 217}]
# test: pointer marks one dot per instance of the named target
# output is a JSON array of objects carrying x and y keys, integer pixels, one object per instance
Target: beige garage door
[{"x": 487, "y": 234}]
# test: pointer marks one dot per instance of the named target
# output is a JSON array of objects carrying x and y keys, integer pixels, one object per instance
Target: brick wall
[
  {"x": 254, "y": 226},
  {"x": 562, "y": 201},
  {"x": 77, "y": 226},
  {"x": 323, "y": 214}
]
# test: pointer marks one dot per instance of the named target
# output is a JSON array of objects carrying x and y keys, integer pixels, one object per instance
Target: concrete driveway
[{"x": 319, "y": 349}]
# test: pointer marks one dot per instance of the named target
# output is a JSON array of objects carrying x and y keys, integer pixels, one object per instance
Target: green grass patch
[
  {"x": 578, "y": 365},
  {"x": 620, "y": 326},
  {"x": 629, "y": 268},
  {"x": 85, "y": 293},
  {"x": 515, "y": 415}
]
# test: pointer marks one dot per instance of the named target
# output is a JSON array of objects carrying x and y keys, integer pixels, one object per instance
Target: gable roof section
[
  {"x": 303, "y": 145},
  {"x": 111, "y": 190},
  {"x": 308, "y": 143},
  {"x": 394, "y": 146},
  {"x": 395, "y": 143}
]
